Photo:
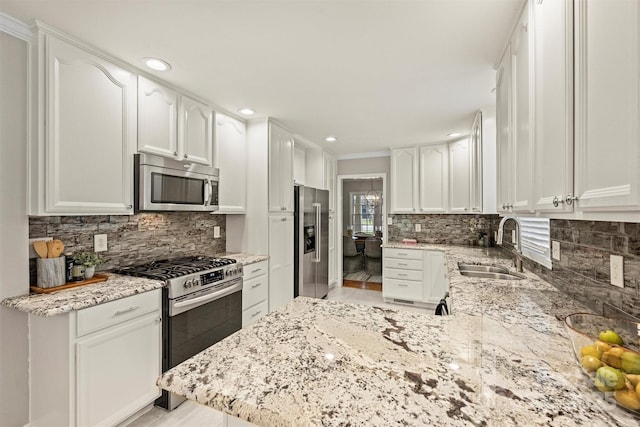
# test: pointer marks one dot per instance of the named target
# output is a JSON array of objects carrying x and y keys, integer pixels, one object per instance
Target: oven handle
[{"x": 209, "y": 297}]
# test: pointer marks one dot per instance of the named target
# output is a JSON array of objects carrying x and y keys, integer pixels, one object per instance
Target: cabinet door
[
  {"x": 231, "y": 158},
  {"x": 503, "y": 135},
  {"x": 299, "y": 166},
  {"x": 280, "y": 169},
  {"x": 117, "y": 370},
  {"x": 434, "y": 178},
  {"x": 607, "y": 97},
  {"x": 197, "y": 131},
  {"x": 329, "y": 162},
  {"x": 90, "y": 133},
  {"x": 435, "y": 284},
  {"x": 459, "y": 176},
  {"x": 475, "y": 151},
  {"x": 157, "y": 119},
  {"x": 553, "y": 28},
  {"x": 280, "y": 260},
  {"x": 404, "y": 180},
  {"x": 522, "y": 173}
]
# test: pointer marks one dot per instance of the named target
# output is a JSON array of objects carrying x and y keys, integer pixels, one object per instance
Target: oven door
[{"x": 164, "y": 189}]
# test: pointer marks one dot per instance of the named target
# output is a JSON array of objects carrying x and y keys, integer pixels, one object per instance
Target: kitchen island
[{"x": 501, "y": 359}]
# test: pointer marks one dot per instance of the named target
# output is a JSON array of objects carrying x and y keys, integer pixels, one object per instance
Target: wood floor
[{"x": 359, "y": 284}]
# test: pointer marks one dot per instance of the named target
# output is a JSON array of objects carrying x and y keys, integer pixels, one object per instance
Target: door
[
  {"x": 197, "y": 131},
  {"x": 434, "y": 178},
  {"x": 404, "y": 180},
  {"x": 280, "y": 260},
  {"x": 157, "y": 119},
  {"x": 459, "y": 176}
]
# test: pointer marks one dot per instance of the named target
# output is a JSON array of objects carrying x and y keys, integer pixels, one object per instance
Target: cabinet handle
[
  {"x": 466, "y": 209},
  {"x": 570, "y": 199},
  {"x": 256, "y": 285},
  {"x": 404, "y": 285},
  {"x": 129, "y": 206},
  {"x": 283, "y": 208},
  {"x": 401, "y": 263},
  {"x": 175, "y": 153},
  {"x": 256, "y": 270},
  {"x": 283, "y": 219},
  {"x": 158, "y": 320},
  {"x": 402, "y": 274},
  {"x": 255, "y": 314},
  {"x": 402, "y": 254},
  {"x": 557, "y": 201},
  {"x": 128, "y": 310},
  {"x": 186, "y": 156}
]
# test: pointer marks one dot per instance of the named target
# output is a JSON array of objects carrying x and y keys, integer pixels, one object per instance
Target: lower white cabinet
[
  {"x": 97, "y": 366},
  {"x": 413, "y": 276},
  {"x": 255, "y": 292}
]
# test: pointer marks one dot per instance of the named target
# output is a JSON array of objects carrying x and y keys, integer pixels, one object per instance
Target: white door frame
[{"x": 339, "y": 228}]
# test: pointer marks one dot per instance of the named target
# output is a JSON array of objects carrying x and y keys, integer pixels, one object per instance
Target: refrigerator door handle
[{"x": 318, "y": 230}]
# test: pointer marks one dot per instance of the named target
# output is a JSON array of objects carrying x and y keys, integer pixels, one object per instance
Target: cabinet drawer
[
  {"x": 254, "y": 313},
  {"x": 394, "y": 273},
  {"x": 403, "y": 253},
  {"x": 405, "y": 264},
  {"x": 255, "y": 270},
  {"x": 402, "y": 289},
  {"x": 104, "y": 315},
  {"x": 255, "y": 290}
]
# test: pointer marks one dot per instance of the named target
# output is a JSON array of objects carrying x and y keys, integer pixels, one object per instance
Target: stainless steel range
[{"x": 202, "y": 304}]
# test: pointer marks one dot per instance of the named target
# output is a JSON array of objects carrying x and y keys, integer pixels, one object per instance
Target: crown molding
[
  {"x": 16, "y": 28},
  {"x": 370, "y": 154}
]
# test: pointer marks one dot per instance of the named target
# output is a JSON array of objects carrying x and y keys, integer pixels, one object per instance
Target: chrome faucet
[{"x": 518, "y": 246}]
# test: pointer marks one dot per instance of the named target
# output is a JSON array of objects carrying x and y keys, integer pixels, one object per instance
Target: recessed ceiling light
[
  {"x": 331, "y": 139},
  {"x": 157, "y": 64},
  {"x": 454, "y": 134},
  {"x": 246, "y": 111}
]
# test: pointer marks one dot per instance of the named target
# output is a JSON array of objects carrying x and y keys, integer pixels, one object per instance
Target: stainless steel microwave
[{"x": 162, "y": 184}]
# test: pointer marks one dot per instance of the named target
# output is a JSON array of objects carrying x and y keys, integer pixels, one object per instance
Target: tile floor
[{"x": 191, "y": 414}]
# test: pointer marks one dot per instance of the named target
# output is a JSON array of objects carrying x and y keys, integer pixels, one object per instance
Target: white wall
[
  {"x": 14, "y": 230},
  {"x": 370, "y": 165}
]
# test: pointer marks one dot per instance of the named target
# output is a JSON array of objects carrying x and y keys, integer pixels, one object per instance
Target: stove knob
[
  {"x": 196, "y": 282},
  {"x": 185, "y": 285},
  {"x": 188, "y": 284}
]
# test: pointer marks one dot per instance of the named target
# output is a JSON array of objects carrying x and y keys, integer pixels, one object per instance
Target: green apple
[{"x": 610, "y": 337}]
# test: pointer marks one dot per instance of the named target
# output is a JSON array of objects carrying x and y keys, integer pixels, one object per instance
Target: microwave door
[{"x": 162, "y": 189}]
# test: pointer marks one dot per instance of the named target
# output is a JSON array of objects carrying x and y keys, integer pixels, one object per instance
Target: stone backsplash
[
  {"x": 134, "y": 239},
  {"x": 583, "y": 271},
  {"x": 442, "y": 228}
]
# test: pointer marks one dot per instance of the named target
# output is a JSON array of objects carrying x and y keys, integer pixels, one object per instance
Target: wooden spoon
[
  {"x": 55, "y": 249},
  {"x": 40, "y": 246},
  {"x": 50, "y": 249}
]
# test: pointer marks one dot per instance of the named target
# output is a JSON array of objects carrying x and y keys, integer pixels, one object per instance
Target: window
[
  {"x": 365, "y": 215},
  {"x": 536, "y": 239}
]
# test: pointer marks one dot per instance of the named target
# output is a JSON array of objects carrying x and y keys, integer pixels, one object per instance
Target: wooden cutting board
[{"x": 97, "y": 278}]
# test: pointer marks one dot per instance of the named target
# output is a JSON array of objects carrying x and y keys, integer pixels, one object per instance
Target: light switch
[
  {"x": 555, "y": 250},
  {"x": 418, "y": 228},
  {"x": 216, "y": 232},
  {"x": 390, "y": 221},
  {"x": 617, "y": 271}
]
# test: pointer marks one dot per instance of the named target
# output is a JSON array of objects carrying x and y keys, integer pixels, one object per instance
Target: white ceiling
[{"x": 376, "y": 74}]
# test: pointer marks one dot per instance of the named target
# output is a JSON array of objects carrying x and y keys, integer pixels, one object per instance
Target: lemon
[
  {"x": 610, "y": 337},
  {"x": 602, "y": 346},
  {"x": 590, "y": 350},
  {"x": 591, "y": 363}
]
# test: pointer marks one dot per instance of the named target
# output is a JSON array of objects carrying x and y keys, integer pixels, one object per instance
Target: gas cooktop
[{"x": 175, "y": 267}]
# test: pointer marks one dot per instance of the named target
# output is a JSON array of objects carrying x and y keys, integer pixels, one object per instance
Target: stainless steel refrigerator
[{"x": 311, "y": 242}]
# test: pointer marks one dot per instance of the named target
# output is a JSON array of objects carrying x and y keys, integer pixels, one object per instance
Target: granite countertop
[
  {"x": 502, "y": 358},
  {"x": 64, "y": 301},
  {"x": 245, "y": 259}
]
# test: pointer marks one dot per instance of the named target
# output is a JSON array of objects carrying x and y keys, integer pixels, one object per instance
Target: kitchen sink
[
  {"x": 490, "y": 275},
  {"x": 482, "y": 268}
]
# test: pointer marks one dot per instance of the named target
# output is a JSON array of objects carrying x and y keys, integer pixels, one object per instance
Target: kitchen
[{"x": 600, "y": 223}]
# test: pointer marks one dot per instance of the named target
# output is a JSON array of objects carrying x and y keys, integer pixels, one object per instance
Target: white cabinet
[
  {"x": 330, "y": 169},
  {"x": 459, "y": 176},
  {"x": 173, "y": 125},
  {"x": 255, "y": 292},
  {"x": 82, "y": 156},
  {"x": 607, "y": 164},
  {"x": 404, "y": 180},
  {"x": 281, "y": 149},
  {"x": 230, "y": 157},
  {"x": 280, "y": 260},
  {"x": 503, "y": 133},
  {"x": 299, "y": 165},
  {"x": 414, "y": 276},
  {"x": 433, "y": 183},
  {"x": 97, "y": 366},
  {"x": 553, "y": 93},
  {"x": 476, "y": 183},
  {"x": 522, "y": 117}
]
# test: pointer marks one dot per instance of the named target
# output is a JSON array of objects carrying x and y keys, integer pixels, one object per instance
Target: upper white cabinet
[
  {"x": 230, "y": 157},
  {"x": 503, "y": 133},
  {"x": 157, "y": 119},
  {"x": 553, "y": 93},
  {"x": 607, "y": 164},
  {"x": 173, "y": 125},
  {"x": 299, "y": 165},
  {"x": 404, "y": 180},
  {"x": 434, "y": 170},
  {"x": 82, "y": 155},
  {"x": 281, "y": 152},
  {"x": 459, "y": 176},
  {"x": 330, "y": 168}
]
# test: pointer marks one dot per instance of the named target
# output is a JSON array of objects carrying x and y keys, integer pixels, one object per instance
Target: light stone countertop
[
  {"x": 503, "y": 358},
  {"x": 60, "y": 302},
  {"x": 245, "y": 259}
]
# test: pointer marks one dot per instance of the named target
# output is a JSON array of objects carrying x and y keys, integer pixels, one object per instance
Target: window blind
[{"x": 536, "y": 239}]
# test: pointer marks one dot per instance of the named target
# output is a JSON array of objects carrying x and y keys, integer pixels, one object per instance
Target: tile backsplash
[
  {"x": 442, "y": 228},
  {"x": 134, "y": 239}
]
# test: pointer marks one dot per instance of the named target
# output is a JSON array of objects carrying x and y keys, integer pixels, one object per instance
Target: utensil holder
[{"x": 51, "y": 272}]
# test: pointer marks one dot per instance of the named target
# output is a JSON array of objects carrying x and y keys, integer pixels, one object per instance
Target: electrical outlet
[
  {"x": 514, "y": 237},
  {"x": 100, "y": 242},
  {"x": 418, "y": 228},
  {"x": 32, "y": 253},
  {"x": 216, "y": 232},
  {"x": 555, "y": 250},
  {"x": 617, "y": 271},
  {"x": 390, "y": 221}
]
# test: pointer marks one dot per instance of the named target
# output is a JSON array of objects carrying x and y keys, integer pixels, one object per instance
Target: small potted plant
[{"x": 89, "y": 260}]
